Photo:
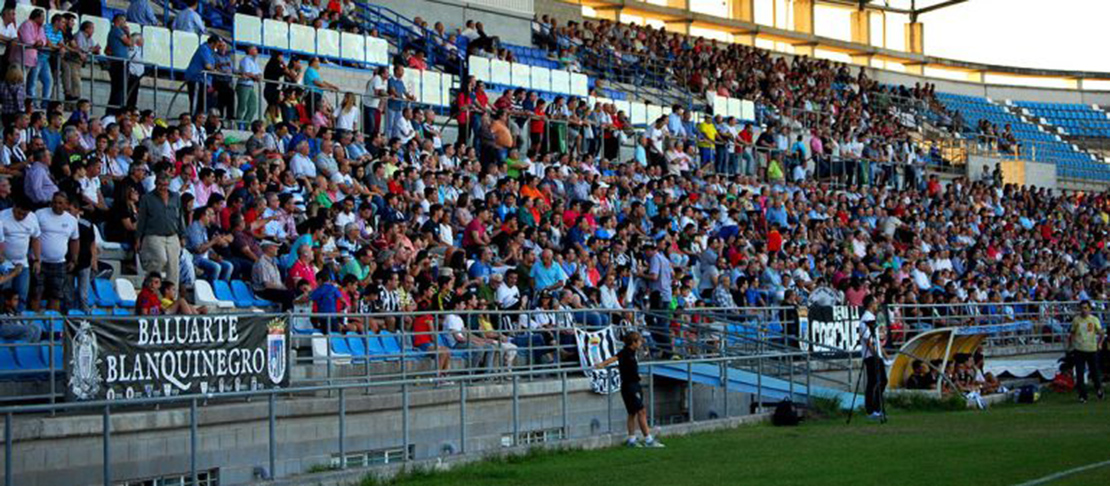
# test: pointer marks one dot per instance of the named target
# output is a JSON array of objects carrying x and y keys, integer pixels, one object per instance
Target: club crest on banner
[
  {"x": 84, "y": 376},
  {"x": 277, "y": 349}
]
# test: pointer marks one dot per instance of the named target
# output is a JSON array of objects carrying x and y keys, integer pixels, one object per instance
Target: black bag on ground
[
  {"x": 1028, "y": 394},
  {"x": 786, "y": 414}
]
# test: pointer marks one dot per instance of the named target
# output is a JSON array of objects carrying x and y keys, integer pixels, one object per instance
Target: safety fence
[{"x": 683, "y": 346}]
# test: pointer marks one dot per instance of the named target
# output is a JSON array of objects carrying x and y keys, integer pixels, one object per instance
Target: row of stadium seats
[
  {"x": 30, "y": 361},
  {"x": 1035, "y": 142},
  {"x": 531, "y": 56},
  {"x": 306, "y": 40},
  {"x": 385, "y": 346},
  {"x": 1075, "y": 119}
]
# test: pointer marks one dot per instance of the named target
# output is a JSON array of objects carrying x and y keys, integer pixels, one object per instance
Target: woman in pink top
[
  {"x": 857, "y": 290},
  {"x": 303, "y": 268}
]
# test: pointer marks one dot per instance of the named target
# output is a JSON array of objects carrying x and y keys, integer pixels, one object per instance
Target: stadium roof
[{"x": 913, "y": 8}]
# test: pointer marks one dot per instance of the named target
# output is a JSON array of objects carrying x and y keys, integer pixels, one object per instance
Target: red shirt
[
  {"x": 774, "y": 241},
  {"x": 148, "y": 303},
  {"x": 538, "y": 121},
  {"x": 475, "y": 226},
  {"x": 464, "y": 101},
  {"x": 421, "y": 330},
  {"x": 302, "y": 271}
]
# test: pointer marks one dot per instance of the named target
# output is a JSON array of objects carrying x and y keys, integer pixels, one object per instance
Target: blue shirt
[
  {"x": 140, "y": 12},
  {"x": 203, "y": 57},
  {"x": 675, "y": 126},
  {"x": 51, "y": 138},
  {"x": 116, "y": 47},
  {"x": 311, "y": 77},
  {"x": 54, "y": 36},
  {"x": 479, "y": 270},
  {"x": 195, "y": 236},
  {"x": 188, "y": 20},
  {"x": 777, "y": 216},
  {"x": 326, "y": 297},
  {"x": 398, "y": 86},
  {"x": 545, "y": 277}
]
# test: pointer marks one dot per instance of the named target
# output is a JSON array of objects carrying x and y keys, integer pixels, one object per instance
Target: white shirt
[
  {"x": 865, "y": 334},
  {"x": 921, "y": 279},
  {"x": 507, "y": 296},
  {"x": 57, "y": 231},
  {"x": 347, "y": 118},
  {"x": 90, "y": 188},
  {"x": 372, "y": 100},
  {"x": 453, "y": 324},
  {"x": 302, "y": 166},
  {"x": 17, "y": 235}
]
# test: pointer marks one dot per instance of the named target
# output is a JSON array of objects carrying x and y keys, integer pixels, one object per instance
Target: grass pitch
[{"x": 1009, "y": 444}]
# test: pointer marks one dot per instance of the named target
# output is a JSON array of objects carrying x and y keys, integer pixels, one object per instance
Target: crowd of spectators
[{"x": 378, "y": 213}]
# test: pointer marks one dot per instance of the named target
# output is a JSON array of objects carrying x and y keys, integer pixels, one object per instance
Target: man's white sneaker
[
  {"x": 875, "y": 415},
  {"x": 631, "y": 443},
  {"x": 654, "y": 444}
]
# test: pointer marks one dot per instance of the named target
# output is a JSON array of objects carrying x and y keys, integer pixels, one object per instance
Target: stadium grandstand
[{"x": 259, "y": 241}]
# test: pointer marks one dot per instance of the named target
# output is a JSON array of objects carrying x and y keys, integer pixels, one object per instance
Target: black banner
[
  {"x": 120, "y": 358},
  {"x": 829, "y": 329}
]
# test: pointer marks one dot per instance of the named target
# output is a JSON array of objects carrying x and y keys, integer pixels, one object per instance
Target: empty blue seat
[
  {"x": 118, "y": 311},
  {"x": 7, "y": 360},
  {"x": 106, "y": 295},
  {"x": 223, "y": 292},
  {"x": 59, "y": 356},
  {"x": 30, "y": 357},
  {"x": 98, "y": 312},
  {"x": 356, "y": 345},
  {"x": 339, "y": 346},
  {"x": 242, "y": 291},
  {"x": 391, "y": 346}
]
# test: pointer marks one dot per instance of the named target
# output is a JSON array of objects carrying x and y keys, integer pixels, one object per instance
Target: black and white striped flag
[{"x": 596, "y": 347}]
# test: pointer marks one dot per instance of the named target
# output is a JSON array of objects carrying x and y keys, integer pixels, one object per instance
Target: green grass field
[{"x": 1008, "y": 444}]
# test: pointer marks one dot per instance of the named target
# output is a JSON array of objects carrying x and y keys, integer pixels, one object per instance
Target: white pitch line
[{"x": 1062, "y": 474}]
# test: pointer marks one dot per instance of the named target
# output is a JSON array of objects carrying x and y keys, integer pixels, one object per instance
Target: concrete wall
[
  {"x": 564, "y": 12},
  {"x": 1022, "y": 172},
  {"x": 512, "y": 27},
  {"x": 234, "y": 437}
]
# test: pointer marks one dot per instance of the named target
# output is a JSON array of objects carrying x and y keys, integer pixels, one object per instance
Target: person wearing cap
[{"x": 266, "y": 277}]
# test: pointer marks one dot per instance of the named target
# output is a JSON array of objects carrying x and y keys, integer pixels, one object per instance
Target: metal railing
[
  {"x": 334, "y": 389},
  {"x": 1039, "y": 322}
]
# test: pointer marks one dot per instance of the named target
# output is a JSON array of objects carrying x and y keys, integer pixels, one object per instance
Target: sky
[{"x": 1047, "y": 34}]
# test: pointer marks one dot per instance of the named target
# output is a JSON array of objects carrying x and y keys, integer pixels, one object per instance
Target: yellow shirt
[
  {"x": 710, "y": 132},
  {"x": 1085, "y": 333},
  {"x": 774, "y": 171}
]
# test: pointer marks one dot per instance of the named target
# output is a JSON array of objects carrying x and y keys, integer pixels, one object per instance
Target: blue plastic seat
[
  {"x": 55, "y": 323},
  {"x": 98, "y": 312},
  {"x": 391, "y": 345},
  {"x": 375, "y": 350},
  {"x": 339, "y": 346},
  {"x": 30, "y": 357},
  {"x": 243, "y": 292},
  {"x": 223, "y": 292},
  {"x": 106, "y": 295},
  {"x": 356, "y": 344},
  {"x": 8, "y": 365},
  {"x": 59, "y": 356},
  {"x": 119, "y": 311}
]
